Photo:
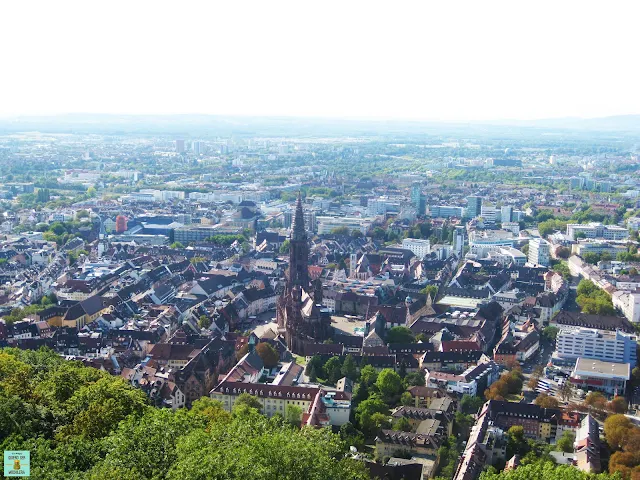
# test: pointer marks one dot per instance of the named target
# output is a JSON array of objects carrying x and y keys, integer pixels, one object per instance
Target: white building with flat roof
[
  {"x": 489, "y": 213},
  {"x": 327, "y": 224},
  {"x": 607, "y": 377},
  {"x": 506, "y": 212},
  {"x": 579, "y": 342},
  {"x": 628, "y": 303},
  {"x": 597, "y": 230},
  {"x": 419, "y": 247},
  {"x": 445, "y": 211},
  {"x": 507, "y": 256},
  {"x": 483, "y": 241},
  {"x": 539, "y": 252}
]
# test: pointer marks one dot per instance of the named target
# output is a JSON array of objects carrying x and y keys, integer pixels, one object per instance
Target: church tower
[
  {"x": 298, "y": 251},
  {"x": 300, "y": 317}
]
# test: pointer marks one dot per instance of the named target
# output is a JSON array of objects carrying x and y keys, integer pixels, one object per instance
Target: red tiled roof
[
  {"x": 266, "y": 391},
  {"x": 460, "y": 346}
]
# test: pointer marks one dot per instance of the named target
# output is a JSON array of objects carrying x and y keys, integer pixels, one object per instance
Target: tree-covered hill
[{"x": 83, "y": 424}]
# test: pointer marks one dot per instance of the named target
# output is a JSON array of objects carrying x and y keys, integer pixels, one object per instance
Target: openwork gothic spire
[{"x": 298, "y": 231}]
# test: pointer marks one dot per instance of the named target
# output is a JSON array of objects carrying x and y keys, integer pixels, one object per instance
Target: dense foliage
[
  {"x": 400, "y": 335},
  {"x": 593, "y": 300},
  {"x": 623, "y": 438},
  {"x": 509, "y": 383},
  {"x": 80, "y": 423},
  {"x": 545, "y": 470}
]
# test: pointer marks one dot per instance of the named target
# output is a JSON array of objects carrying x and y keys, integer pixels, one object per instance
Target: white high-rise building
[
  {"x": 474, "y": 206},
  {"x": 580, "y": 342},
  {"x": 539, "y": 252},
  {"x": 179, "y": 146},
  {"x": 197, "y": 147},
  {"x": 419, "y": 247},
  {"x": 489, "y": 213},
  {"x": 505, "y": 213},
  {"x": 459, "y": 238}
]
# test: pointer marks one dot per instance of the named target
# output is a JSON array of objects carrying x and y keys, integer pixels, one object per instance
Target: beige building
[{"x": 274, "y": 398}]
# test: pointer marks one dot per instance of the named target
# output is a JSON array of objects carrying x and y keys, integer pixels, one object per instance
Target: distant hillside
[
  {"x": 619, "y": 123},
  {"x": 215, "y": 125}
]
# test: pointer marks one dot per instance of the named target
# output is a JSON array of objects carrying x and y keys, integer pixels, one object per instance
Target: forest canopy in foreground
[{"x": 81, "y": 423}]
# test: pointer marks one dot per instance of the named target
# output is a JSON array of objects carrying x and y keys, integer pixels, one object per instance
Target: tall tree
[
  {"x": 546, "y": 401},
  {"x": 333, "y": 369},
  {"x": 566, "y": 391},
  {"x": 293, "y": 414},
  {"x": 400, "y": 335},
  {"x": 616, "y": 429},
  {"x": 244, "y": 399},
  {"x": 565, "y": 442},
  {"x": 389, "y": 384},
  {"x": 349, "y": 368},
  {"x": 368, "y": 375},
  {"x": 268, "y": 354},
  {"x": 470, "y": 404}
]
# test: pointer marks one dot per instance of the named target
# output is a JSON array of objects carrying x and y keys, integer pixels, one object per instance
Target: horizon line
[{"x": 353, "y": 118}]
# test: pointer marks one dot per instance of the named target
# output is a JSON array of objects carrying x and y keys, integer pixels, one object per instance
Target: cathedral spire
[
  {"x": 298, "y": 231},
  {"x": 299, "y": 250}
]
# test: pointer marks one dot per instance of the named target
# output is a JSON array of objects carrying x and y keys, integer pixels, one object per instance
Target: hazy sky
[{"x": 437, "y": 60}]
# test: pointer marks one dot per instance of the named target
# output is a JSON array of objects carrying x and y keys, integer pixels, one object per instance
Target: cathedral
[{"x": 301, "y": 318}]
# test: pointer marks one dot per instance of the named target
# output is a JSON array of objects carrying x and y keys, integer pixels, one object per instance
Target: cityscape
[
  {"x": 444, "y": 304},
  {"x": 315, "y": 252}
]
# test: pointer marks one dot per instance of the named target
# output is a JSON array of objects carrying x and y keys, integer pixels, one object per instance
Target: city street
[{"x": 542, "y": 358}]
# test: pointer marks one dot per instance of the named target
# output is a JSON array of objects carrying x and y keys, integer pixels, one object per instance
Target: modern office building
[
  {"x": 633, "y": 223},
  {"x": 186, "y": 235},
  {"x": 445, "y": 211},
  {"x": 476, "y": 378},
  {"x": 327, "y": 224},
  {"x": 518, "y": 215},
  {"x": 539, "y": 252},
  {"x": 483, "y": 241},
  {"x": 505, "y": 213},
  {"x": 605, "y": 186},
  {"x": 179, "y": 146},
  {"x": 138, "y": 197},
  {"x": 580, "y": 342},
  {"x": 576, "y": 182},
  {"x": 417, "y": 199},
  {"x": 489, "y": 214},
  {"x": 598, "y": 247},
  {"x": 197, "y": 147},
  {"x": 419, "y": 247},
  {"x": 474, "y": 206},
  {"x": 597, "y": 230},
  {"x": 383, "y": 205}
]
